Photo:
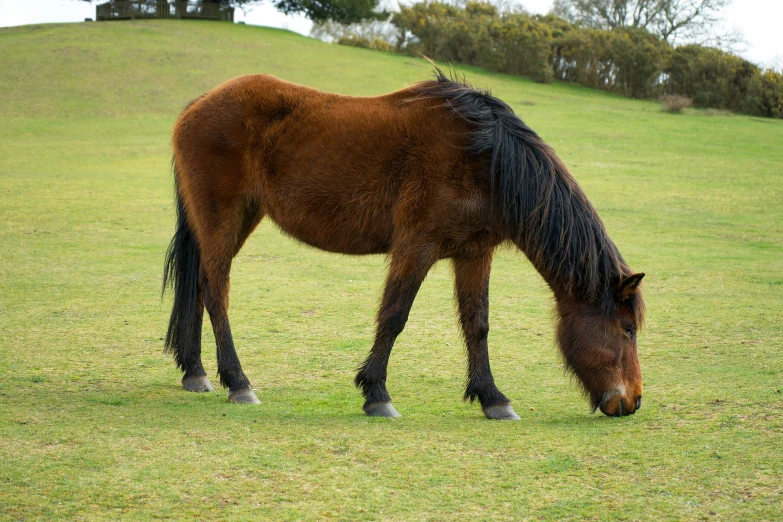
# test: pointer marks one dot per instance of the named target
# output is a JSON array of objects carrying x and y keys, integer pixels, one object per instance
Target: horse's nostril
[{"x": 638, "y": 402}]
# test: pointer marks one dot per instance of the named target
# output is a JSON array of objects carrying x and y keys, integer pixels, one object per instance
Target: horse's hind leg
[
  {"x": 406, "y": 273},
  {"x": 195, "y": 377},
  {"x": 472, "y": 293},
  {"x": 183, "y": 338},
  {"x": 223, "y": 238}
]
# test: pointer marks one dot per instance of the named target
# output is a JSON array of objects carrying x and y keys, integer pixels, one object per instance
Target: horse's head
[{"x": 600, "y": 348}]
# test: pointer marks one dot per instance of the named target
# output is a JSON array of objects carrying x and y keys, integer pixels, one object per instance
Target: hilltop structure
[{"x": 182, "y": 9}]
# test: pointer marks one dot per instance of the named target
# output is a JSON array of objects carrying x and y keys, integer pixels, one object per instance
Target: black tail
[{"x": 181, "y": 271}]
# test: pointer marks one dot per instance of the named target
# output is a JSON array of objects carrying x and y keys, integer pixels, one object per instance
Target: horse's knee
[
  {"x": 394, "y": 324},
  {"x": 481, "y": 332}
]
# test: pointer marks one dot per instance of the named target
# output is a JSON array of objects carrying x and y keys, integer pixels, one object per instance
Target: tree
[
  {"x": 607, "y": 14},
  {"x": 342, "y": 11},
  {"x": 691, "y": 20}
]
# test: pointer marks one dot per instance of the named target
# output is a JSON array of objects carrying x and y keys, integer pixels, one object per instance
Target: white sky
[{"x": 759, "y": 21}]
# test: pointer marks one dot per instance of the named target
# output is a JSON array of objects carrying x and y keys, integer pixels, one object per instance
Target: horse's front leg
[
  {"x": 406, "y": 273},
  {"x": 472, "y": 294}
]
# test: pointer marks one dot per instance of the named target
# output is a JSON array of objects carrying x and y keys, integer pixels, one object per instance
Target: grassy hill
[{"x": 94, "y": 424}]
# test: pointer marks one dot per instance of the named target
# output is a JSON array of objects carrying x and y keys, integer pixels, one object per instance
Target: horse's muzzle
[{"x": 620, "y": 406}]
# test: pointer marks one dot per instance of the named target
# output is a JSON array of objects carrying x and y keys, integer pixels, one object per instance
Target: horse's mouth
[{"x": 614, "y": 403}]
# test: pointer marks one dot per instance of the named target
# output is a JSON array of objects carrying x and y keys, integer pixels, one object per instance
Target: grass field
[{"x": 94, "y": 424}]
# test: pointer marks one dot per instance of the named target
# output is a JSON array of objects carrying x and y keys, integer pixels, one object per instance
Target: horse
[{"x": 433, "y": 171}]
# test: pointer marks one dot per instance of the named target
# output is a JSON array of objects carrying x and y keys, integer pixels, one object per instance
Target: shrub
[
  {"x": 638, "y": 58},
  {"x": 628, "y": 61},
  {"x": 523, "y": 45},
  {"x": 354, "y": 41},
  {"x": 765, "y": 94},
  {"x": 379, "y": 44},
  {"x": 421, "y": 26},
  {"x": 582, "y": 56},
  {"x": 675, "y": 103},
  {"x": 363, "y": 33},
  {"x": 376, "y": 44},
  {"x": 710, "y": 76},
  {"x": 513, "y": 43}
]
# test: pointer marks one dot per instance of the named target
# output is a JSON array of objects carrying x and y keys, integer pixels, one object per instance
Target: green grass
[{"x": 94, "y": 425}]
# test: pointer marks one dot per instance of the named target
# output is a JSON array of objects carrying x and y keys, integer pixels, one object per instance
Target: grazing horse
[{"x": 437, "y": 170}]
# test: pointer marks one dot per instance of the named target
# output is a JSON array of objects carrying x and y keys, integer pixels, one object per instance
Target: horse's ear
[{"x": 628, "y": 286}]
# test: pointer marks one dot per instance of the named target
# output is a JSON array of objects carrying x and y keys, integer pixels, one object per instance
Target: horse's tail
[{"x": 181, "y": 271}]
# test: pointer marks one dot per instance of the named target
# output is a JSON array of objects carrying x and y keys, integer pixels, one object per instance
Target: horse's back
[{"x": 341, "y": 173}]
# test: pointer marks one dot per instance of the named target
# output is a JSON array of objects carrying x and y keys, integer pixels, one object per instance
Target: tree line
[{"x": 622, "y": 55}]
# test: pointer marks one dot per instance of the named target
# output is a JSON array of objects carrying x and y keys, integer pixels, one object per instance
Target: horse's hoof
[
  {"x": 381, "y": 409},
  {"x": 504, "y": 412},
  {"x": 199, "y": 383},
  {"x": 243, "y": 396}
]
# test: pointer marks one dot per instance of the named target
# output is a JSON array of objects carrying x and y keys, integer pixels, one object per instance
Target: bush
[
  {"x": 675, "y": 103},
  {"x": 765, "y": 95},
  {"x": 628, "y": 61},
  {"x": 583, "y": 56},
  {"x": 467, "y": 36},
  {"x": 354, "y": 41},
  {"x": 478, "y": 35},
  {"x": 379, "y": 44},
  {"x": 376, "y": 44},
  {"x": 523, "y": 45},
  {"x": 710, "y": 76},
  {"x": 360, "y": 34},
  {"x": 421, "y": 26},
  {"x": 638, "y": 58}
]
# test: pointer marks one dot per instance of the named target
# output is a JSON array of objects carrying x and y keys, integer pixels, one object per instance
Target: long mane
[{"x": 546, "y": 213}]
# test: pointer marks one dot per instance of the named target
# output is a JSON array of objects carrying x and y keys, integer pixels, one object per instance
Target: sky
[{"x": 757, "y": 20}]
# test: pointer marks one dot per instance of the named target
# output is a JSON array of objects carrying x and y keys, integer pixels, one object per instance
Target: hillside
[{"x": 95, "y": 426}]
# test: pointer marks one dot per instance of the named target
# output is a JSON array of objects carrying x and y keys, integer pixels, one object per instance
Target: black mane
[{"x": 545, "y": 211}]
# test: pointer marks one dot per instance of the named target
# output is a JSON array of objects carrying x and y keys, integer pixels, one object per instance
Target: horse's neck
[{"x": 566, "y": 242}]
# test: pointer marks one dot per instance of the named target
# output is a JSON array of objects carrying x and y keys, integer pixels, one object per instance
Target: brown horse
[{"x": 438, "y": 170}]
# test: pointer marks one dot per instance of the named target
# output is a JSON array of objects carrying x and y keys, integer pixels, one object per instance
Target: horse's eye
[{"x": 630, "y": 331}]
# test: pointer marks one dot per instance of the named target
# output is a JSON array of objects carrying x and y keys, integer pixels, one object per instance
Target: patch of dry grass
[{"x": 675, "y": 103}]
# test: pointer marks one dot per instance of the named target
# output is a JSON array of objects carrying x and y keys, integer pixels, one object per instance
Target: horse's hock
[{"x": 146, "y": 9}]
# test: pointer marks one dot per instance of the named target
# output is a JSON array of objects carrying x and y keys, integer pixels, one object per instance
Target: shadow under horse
[{"x": 437, "y": 170}]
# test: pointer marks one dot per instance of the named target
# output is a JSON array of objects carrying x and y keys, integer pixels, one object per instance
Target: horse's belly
[
  {"x": 335, "y": 193},
  {"x": 342, "y": 230}
]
